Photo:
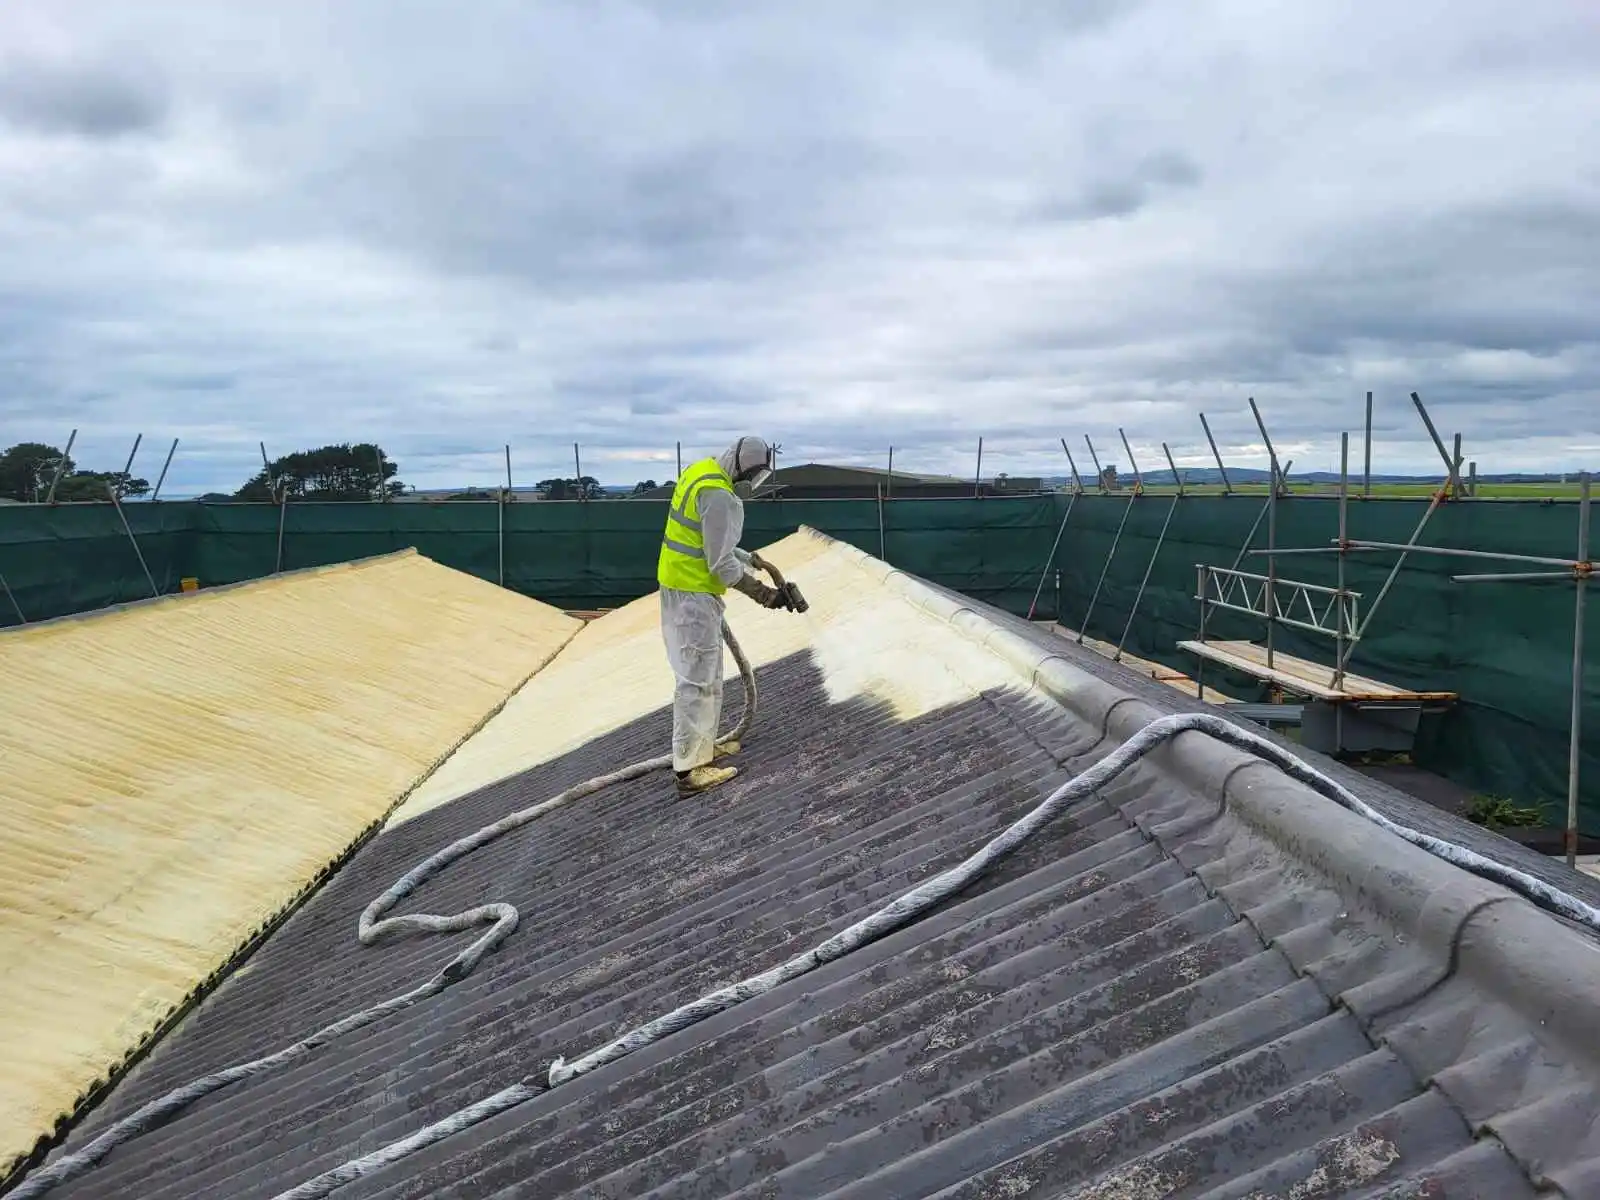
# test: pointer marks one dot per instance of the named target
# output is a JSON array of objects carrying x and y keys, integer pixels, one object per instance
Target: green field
[{"x": 1381, "y": 491}]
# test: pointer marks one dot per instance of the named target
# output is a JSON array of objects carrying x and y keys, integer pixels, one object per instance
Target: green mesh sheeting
[
  {"x": 75, "y": 557},
  {"x": 1505, "y": 647},
  {"x": 596, "y": 555}
]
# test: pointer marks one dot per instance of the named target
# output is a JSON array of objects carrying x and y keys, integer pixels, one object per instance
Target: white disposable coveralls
[{"x": 691, "y": 622}]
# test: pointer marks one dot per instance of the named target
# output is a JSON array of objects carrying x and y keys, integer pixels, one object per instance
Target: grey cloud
[
  {"x": 638, "y": 393},
  {"x": 95, "y": 100},
  {"x": 1121, "y": 196},
  {"x": 846, "y": 225},
  {"x": 205, "y": 381},
  {"x": 1170, "y": 167},
  {"x": 651, "y": 406},
  {"x": 1441, "y": 281},
  {"x": 1114, "y": 199},
  {"x": 564, "y": 215},
  {"x": 1005, "y": 25}
]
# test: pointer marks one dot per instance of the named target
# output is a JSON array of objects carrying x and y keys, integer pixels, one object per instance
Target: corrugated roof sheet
[
  {"x": 173, "y": 773},
  {"x": 1204, "y": 982}
]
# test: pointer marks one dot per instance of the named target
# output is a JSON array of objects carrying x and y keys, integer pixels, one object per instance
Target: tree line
[
  {"x": 29, "y": 468},
  {"x": 335, "y": 472},
  {"x": 586, "y": 488},
  {"x": 340, "y": 471}
]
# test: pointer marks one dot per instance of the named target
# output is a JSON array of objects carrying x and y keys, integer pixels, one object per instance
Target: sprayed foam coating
[
  {"x": 195, "y": 765},
  {"x": 372, "y": 927},
  {"x": 1191, "y": 744}
]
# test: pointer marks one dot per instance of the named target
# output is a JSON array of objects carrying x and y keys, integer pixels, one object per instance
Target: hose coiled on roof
[
  {"x": 502, "y": 919},
  {"x": 373, "y": 926},
  {"x": 919, "y": 900}
]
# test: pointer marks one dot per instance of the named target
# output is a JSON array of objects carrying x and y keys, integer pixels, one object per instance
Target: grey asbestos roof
[{"x": 1163, "y": 995}]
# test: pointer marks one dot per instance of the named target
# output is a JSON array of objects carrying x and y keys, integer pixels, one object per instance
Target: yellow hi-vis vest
[{"x": 682, "y": 564}]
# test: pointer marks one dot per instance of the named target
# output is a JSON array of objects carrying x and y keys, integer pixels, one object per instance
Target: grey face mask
[{"x": 748, "y": 482}]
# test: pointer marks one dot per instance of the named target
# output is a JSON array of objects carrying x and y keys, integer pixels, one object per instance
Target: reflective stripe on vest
[{"x": 682, "y": 563}]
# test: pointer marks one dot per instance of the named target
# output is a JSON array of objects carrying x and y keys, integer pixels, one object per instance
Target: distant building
[
  {"x": 805, "y": 481},
  {"x": 1014, "y": 485},
  {"x": 1108, "y": 479},
  {"x": 826, "y": 481},
  {"x": 435, "y": 495}
]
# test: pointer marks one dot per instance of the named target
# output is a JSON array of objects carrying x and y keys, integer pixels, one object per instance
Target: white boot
[{"x": 703, "y": 779}]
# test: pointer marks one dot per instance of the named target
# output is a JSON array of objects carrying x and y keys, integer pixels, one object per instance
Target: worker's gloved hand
[
  {"x": 767, "y": 597},
  {"x": 792, "y": 599}
]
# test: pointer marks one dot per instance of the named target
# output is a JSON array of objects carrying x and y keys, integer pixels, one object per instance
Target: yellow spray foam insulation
[{"x": 172, "y": 774}]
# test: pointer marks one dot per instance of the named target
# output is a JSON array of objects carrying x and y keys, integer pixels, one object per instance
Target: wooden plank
[
  {"x": 1160, "y": 672},
  {"x": 1191, "y": 689},
  {"x": 1314, "y": 672},
  {"x": 1303, "y": 677}
]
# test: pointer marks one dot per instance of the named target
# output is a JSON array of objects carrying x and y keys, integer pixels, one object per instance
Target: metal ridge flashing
[{"x": 1537, "y": 965}]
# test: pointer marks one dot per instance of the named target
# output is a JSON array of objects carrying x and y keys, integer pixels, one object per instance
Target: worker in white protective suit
[{"x": 700, "y": 560}]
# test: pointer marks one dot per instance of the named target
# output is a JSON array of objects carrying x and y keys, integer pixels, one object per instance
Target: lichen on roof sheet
[{"x": 173, "y": 773}]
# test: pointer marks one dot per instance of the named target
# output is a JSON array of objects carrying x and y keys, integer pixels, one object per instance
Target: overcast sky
[{"x": 840, "y": 224}]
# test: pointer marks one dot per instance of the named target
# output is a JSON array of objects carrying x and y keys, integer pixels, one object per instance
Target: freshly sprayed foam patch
[
  {"x": 915, "y": 664},
  {"x": 865, "y": 638},
  {"x": 615, "y": 672}
]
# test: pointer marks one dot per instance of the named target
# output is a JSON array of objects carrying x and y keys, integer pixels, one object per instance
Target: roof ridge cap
[{"x": 1423, "y": 897}]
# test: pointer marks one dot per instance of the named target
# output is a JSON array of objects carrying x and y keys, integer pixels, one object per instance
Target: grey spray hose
[
  {"x": 892, "y": 916},
  {"x": 373, "y": 925},
  {"x": 917, "y": 901}
]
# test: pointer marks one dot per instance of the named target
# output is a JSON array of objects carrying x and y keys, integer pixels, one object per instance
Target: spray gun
[{"x": 788, "y": 593}]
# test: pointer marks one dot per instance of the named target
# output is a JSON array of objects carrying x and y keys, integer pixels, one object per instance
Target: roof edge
[
  {"x": 258, "y": 581},
  {"x": 1546, "y": 971},
  {"x": 116, "y": 1074}
]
